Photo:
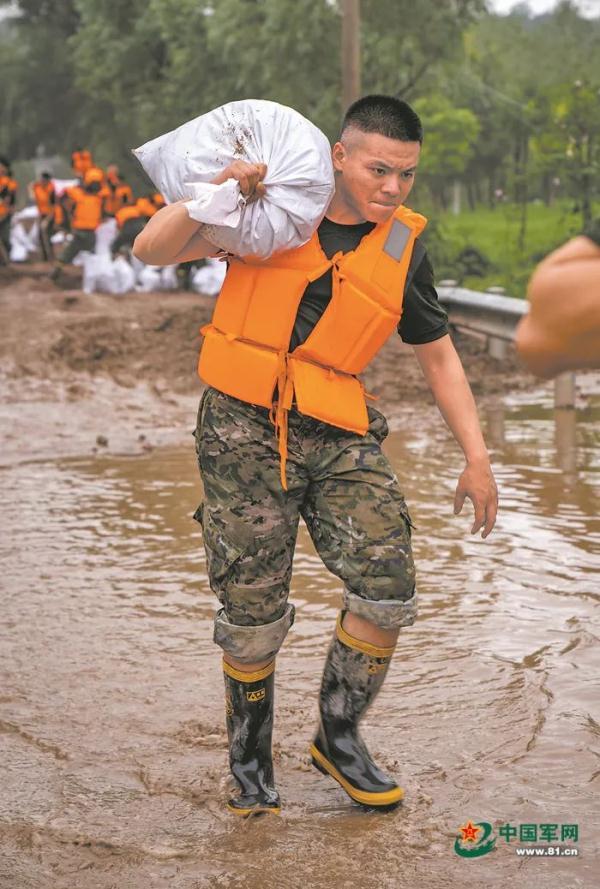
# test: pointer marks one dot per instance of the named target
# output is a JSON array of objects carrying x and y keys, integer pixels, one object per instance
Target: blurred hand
[{"x": 249, "y": 176}]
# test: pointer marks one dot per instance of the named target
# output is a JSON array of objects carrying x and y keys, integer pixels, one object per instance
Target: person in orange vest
[
  {"x": 151, "y": 203},
  {"x": 117, "y": 192},
  {"x": 81, "y": 161},
  {"x": 96, "y": 174},
  {"x": 8, "y": 199},
  {"x": 43, "y": 193},
  {"x": 131, "y": 220},
  {"x": 84, "y": 205},
  {"x": 284, "y": 431}
]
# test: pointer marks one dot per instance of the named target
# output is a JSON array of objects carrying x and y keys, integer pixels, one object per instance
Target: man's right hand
[{"x": 249, "y": 176}]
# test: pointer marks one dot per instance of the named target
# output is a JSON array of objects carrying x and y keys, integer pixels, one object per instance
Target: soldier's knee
[
  {"x": 251, "y": 643},
  {"x": 390, "y": 613}
]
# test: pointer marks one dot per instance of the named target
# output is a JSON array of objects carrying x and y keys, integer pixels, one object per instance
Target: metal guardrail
[{"x": 496, "y": 317}]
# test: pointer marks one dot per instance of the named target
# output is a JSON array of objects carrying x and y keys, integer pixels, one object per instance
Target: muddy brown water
[{"x": 112, "y": 742}]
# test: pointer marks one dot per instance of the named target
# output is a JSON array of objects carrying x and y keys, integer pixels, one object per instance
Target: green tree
[
  {"x": 578, "y": 116},
  {"x": 450, "y": 135},
  {"x": 40, "y": 105},
  {"x": 403, "y": 41}
]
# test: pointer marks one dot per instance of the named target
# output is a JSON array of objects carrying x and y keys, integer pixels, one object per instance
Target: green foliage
[
  {"x": 577, "y": 112},
  {"x": 402, "y": 40},
  {"x": 497, "y": 94},
  {"x": 493, "y": 234},
  {"x": 128, "y": 71},
  {"x": 39, "y": 106},
  {"x": 450, "y": 135}
]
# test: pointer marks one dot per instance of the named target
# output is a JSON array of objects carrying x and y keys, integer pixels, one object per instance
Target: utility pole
[{"x": 350, "y": 52}]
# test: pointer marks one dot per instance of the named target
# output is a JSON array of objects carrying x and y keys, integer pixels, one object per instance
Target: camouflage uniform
[{"x": 345, "y": 490}]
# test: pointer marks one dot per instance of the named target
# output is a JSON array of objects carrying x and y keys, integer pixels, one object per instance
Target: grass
[{"x": 494, "y": 235}]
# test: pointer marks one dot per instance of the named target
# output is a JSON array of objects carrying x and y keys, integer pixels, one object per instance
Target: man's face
[
  {"x": 374, "y": 174},
  {"x": 3, "y": 170}
]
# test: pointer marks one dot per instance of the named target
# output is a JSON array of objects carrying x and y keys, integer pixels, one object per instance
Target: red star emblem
[{"x": 469, "y": 832}]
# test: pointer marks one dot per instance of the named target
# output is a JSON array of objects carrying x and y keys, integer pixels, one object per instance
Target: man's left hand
[{"x": 478, "y": 484}]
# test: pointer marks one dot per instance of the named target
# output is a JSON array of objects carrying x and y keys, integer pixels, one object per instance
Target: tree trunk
[
  {"x": 523, "y": 189},
  {"x": 586, "y": 189},
  {"x": 456, "y": 197},
  {"x": 472, "y": 195}
]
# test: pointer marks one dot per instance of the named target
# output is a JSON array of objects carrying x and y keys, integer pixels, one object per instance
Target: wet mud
[{"x": 113, "y": 753}]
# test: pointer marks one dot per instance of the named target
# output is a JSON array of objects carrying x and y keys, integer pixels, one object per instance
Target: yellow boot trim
[
  {"x": 255, "y": 810},
  {"x": 367, "y": 798},
  {"x": 241, "y": 676},
  {"x": 359, "y": 645}
]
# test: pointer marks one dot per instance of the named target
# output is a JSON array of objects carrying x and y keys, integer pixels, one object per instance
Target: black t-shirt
[{"x": 423, "y": 318}]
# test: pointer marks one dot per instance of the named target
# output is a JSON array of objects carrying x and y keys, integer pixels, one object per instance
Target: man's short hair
[{"x": 385, "y": 115}]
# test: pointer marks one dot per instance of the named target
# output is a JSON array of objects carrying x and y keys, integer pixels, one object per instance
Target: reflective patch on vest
[{"x": 397, "y": 240}]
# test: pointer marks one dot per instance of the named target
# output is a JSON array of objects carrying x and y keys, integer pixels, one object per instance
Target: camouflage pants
[{"x": 345, "y": 490}]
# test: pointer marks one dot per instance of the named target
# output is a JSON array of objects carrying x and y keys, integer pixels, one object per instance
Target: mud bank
[{"x": 117, "y": 374}]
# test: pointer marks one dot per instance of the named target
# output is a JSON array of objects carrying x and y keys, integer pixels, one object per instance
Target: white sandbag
[
  {"x": 123, "y": 276},
  {"x": 148, "y": 279},
  {"x": 61, "y": 185},
  {"x": 299, "y": 181},
  {"x": 97, "y": 272},
  {"x": 20, "y": 246},
  {"x": 209, "y": 278},
  {"x": 154, "y": 278},
  {"x": 29, "y": 212},
  {"x": 103, "y": 275},
  {"x": 168, "y": 278},
  {"x": 137, "y": 265},
  {"x": 105, "y": 235}
]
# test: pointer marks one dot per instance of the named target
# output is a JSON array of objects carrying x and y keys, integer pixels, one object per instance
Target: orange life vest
[
  {"x": 81, "y": 161},
  {"x": 94, "y": 174},
  {"x": 8, "y": 190},
  {"x": 130, "y": 211},
  {"x": 118, "y": 194},
  {"x": 147, "y": 207},
  {"x": 43, "y": 193},
  {"x": 245, "y": 350},
  {"x": 87, "y": 210}
]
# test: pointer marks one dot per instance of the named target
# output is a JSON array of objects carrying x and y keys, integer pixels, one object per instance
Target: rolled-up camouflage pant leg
[
  {"x": 249, "y": 525},
  {"x": 360, "y": 524}
]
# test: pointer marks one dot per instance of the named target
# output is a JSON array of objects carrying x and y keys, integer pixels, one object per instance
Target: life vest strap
[
  {"x": 284, "y": 390},
  {"x": 279, "y": 412}
]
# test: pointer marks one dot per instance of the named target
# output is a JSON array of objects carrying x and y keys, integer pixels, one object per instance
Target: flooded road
[{"x": 112, "y": 739}]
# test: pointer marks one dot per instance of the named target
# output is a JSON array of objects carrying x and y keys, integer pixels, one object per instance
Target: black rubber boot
[
  {"x": 249, "y": 699},
  {"x": 354, "y": 673}
]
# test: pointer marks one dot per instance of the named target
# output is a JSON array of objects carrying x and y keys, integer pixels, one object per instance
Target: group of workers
[{"x": 79, "y": 209}]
